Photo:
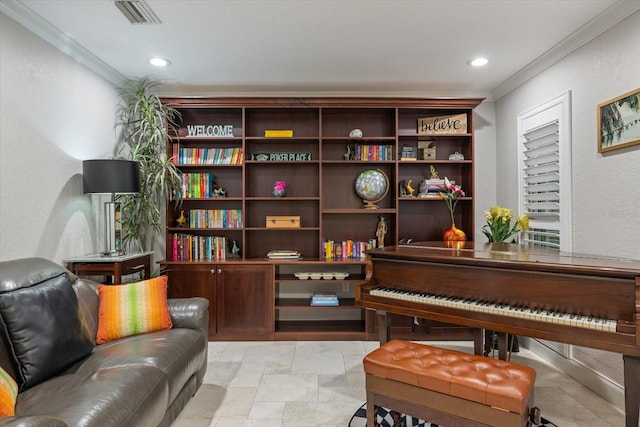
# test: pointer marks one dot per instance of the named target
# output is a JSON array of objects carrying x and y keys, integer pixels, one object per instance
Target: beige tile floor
[{"x": 308, "y": 384}]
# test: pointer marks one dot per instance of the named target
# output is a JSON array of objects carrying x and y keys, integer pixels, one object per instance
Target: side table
[{"x": 110, "y": 266}]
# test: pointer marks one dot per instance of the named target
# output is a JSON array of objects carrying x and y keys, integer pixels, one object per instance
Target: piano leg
[
  {"x": 502, "y": 346},
  {"x": 384, "y": 326},
  {"x": 631, "y": 390},
  {"x": 477, "y": 341}
]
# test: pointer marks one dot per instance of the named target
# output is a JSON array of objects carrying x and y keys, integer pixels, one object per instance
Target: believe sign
[{"x": 442, "y": 125}]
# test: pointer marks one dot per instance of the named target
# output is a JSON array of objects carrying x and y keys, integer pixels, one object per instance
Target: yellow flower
[
  {"x": 499, "y": 228},
  {"x": 523, "y": 222}
]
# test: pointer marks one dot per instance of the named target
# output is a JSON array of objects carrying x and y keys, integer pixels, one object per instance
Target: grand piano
[{"x": 570, "y": 298}]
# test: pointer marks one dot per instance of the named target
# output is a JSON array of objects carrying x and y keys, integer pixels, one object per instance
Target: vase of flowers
[
  {"x": 499, "y": 226},
  {"x": 451, "y": 194},
  {"x": 279, "y": 187}
]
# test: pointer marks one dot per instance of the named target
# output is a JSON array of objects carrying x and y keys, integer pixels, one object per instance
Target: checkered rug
[{"x": 386, "y": 418}]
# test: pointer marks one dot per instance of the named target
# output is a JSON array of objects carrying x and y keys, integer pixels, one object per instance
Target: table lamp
[{"x": 111, "y": 176}]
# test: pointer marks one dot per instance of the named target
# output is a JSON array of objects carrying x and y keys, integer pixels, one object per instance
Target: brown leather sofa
[{"x": 141, "y": 380}]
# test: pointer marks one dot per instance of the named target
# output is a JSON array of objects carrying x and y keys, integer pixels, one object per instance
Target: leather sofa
[{"x": 141, "y": 380}]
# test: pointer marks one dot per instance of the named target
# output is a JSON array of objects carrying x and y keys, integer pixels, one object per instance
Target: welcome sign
[{"x": 210, "y": 131}]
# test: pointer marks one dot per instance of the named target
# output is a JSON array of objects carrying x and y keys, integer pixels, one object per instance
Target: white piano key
[{"x": 500, "y": 309}]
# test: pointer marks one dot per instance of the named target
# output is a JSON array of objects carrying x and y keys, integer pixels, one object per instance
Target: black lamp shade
[{"x": 110, "y": 176}]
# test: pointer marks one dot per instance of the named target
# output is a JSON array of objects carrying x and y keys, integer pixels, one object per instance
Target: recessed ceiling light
[
  {"x": 478, "y": 62},
  {"x": 159, "y": 62}
]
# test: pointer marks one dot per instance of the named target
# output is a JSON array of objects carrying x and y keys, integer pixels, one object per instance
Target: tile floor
[{"x": 309, "y": 384}]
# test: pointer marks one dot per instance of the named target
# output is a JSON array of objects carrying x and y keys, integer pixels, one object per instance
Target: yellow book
[{"x": 278, "y": 133}]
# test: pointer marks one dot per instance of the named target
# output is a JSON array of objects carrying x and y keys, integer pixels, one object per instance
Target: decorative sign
[
  {"x": 210, "y": 131},
  {"x": 442, "y": 125},
  {"x": 282, "y": 157}
]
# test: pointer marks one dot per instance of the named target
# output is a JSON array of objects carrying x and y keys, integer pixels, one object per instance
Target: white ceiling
[{"x": 395, "y": 47}]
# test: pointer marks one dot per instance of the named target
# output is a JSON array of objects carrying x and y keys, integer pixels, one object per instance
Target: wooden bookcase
[{"x": 320, "y": 191}]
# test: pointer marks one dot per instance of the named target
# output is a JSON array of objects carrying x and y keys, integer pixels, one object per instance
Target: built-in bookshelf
[{"x": 231, "y": 151}]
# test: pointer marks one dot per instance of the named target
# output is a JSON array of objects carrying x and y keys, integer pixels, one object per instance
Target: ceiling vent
[{"x": 137, "y": 12}]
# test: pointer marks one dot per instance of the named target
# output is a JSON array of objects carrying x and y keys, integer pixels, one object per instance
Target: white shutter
[
  {"x": 541, "y": 189},
  {"x": 545, "y": 174}
]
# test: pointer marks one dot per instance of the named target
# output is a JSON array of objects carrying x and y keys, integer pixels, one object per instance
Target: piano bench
[{"x": 447, "y": 387}]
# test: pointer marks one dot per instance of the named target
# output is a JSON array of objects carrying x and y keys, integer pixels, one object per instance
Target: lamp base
[{"x": 113, "y": 253}]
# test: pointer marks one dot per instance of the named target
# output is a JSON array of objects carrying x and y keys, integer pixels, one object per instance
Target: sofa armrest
[
  {"x": 192, "y": 313},
  {"x": 32, "y": 421}
]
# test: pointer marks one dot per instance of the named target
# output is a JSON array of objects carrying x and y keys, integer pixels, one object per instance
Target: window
[{"x": 545, "y": 173}]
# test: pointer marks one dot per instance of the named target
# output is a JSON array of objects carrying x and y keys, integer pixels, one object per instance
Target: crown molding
[
  {"x": 607, "y": 19},
  {"x": 17, "y": 11}
]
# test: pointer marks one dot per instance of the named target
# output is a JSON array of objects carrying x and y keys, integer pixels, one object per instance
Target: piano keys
[
  {"x": 483, "y": 306},
  {"x": 571, "y": 298}
]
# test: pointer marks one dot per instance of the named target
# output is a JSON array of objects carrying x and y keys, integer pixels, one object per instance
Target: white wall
[
  {"x": 54, "y": 113},
  {"x": 606, "y": 197},
  {"x": 485, "y": 173}
]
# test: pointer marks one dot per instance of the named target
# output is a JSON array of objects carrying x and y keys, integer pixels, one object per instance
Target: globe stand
[{"x": 370, "y": 204}]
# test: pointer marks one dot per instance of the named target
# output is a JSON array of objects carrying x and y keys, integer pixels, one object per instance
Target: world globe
[{"x": 372, "y": 185}]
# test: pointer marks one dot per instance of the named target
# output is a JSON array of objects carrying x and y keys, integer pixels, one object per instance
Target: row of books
[
  {"x": 198, "y": 185},
  {"x": 215, "y": 218},
  {"x": 348, "y": 249},
  {"x": 325, "y": 300},
  {"x": 208, "y": 156},
  {"x": 187, "y": 247},
  {"x": 373, "y": 152}
]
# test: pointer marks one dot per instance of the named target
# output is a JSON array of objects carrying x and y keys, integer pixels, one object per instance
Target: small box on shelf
[
  {"x": 426, "y": 150},
  {"x": 283, "y": 221}
]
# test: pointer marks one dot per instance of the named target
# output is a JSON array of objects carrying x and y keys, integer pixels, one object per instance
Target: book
[
  {"x": 278, "y": 133},
  {"x": 325, "y": 299},
  {"x": 326, "y": 303},
  {"x": 283, "y": 254}
]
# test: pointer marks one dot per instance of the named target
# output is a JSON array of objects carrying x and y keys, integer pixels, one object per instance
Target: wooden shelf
[
  {"x": 359, "y": 211},
  {"x": 304, "y": 304},
  {"x": 321, "y": 192}
]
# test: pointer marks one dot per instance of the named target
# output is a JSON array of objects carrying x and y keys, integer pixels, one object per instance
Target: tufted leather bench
[{"x": 447, "y": 387}]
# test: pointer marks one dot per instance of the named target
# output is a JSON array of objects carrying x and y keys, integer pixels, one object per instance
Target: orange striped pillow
[
  {"x": 132, "y": 309},
  {"x": 8, "y": 394}
]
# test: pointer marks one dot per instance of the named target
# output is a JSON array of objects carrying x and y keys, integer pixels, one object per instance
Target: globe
[{"x": 372, "y": 185}]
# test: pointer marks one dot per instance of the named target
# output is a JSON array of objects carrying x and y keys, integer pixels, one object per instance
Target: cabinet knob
[
  {"x": 212, "y": 271},
  {"x": 219, "y": 271}
]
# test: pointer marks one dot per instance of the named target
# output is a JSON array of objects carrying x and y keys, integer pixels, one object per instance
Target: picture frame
[{"x": 619, "y": 122}]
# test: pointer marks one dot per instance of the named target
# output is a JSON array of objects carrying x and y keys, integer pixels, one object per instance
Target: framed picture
[{"x": 619, "y": 122}]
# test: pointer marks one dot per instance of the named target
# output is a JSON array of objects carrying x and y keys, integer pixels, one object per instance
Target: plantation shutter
[
  {"x": 545, "y": 174},
  {"x": 541, "y": 186}
]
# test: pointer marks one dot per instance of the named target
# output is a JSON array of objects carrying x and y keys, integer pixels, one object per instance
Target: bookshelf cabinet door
[
  {"x": 189, "y": 280},
  {"x": 244, "y": 302}
]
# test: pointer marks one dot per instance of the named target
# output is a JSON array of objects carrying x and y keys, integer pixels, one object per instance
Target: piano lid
[{"x": 511, "y": 255}]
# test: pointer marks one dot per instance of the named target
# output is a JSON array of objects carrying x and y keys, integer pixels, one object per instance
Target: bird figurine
[
  {"x": 182, "y": 220},
  {"x": 409, "y": 188}
]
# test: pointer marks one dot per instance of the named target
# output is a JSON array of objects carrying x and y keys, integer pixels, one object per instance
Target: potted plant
[{"x": 145, "y": 124}]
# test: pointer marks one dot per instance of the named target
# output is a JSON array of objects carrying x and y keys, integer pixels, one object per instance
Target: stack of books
[
  {"x": 324, "y": 299},
  {"x": 283, "y": 254}
]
